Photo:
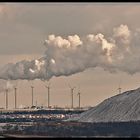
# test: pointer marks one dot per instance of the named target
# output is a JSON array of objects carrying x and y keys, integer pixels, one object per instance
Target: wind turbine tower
[
  {"x": 72, "y": 89},
  {"x": 32, "y": 95},
  {"x": 119, "y": 89},
  {"x": 15, "y": 97},
  {"x": 79, "y": 94},
  {"x": 48, "y": 87},
  {"x": 6, "y": 98}
]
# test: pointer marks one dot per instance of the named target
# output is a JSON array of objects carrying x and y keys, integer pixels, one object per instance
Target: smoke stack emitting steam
[{"x": 73, "y": 55}]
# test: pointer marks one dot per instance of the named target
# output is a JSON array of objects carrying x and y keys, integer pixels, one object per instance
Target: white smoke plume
[
  {"x": 119, "y": 52},
  {"x": 7, "y": 85}
]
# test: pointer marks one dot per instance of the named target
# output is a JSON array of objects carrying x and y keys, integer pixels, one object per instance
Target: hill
[{"x": 122, "y": 107}]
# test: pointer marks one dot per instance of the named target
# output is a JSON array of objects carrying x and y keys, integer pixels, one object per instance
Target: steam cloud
[
  {"x": 120, "y": 52},
  {"x": 7, "y": 85}
]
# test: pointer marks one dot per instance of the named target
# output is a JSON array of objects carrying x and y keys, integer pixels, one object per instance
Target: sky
[{"x": 25, "y": 26}]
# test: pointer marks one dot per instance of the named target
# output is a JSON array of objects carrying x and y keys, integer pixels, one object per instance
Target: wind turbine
[
  {"x": 72, "y": 89},
  {"x": 32, "y": 95},
  {"x": 119, "y": 89},
  {"x": 79, "y": 94},
  {"x": 15, "y": 97},
  {"x": 6, "y": 98},
  {"x": 48, "y": 87},
  {"x": 15, "y": 88}
]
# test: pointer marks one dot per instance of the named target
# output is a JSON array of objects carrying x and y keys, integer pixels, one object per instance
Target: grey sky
[{"x": 24, "y": 27}]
